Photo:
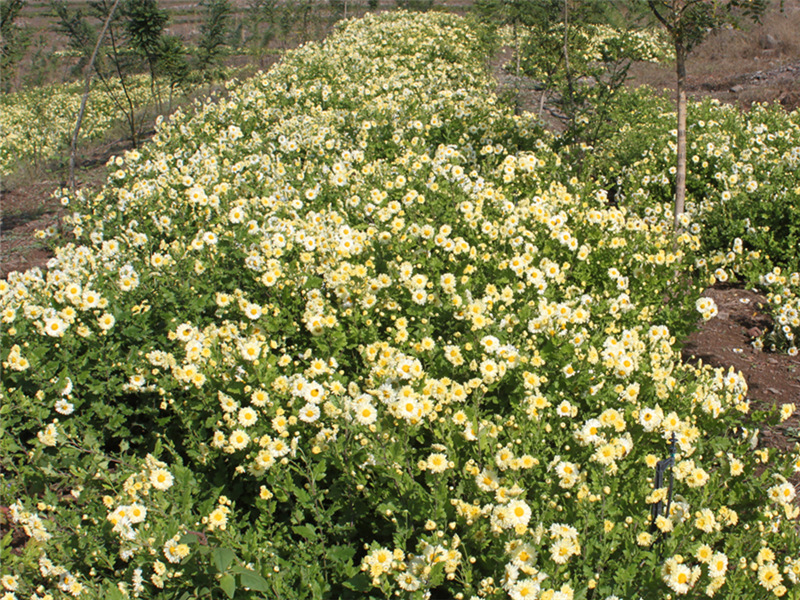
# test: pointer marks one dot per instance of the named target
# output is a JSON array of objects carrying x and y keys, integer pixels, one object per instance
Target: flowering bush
[
  {"x": 585, "y": 87},
  {"x": 358, "y": 331}
]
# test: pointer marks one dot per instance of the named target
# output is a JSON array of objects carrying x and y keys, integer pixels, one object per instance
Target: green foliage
[
  {"x": 270, "y": 21},
  {"x": 14, "y": 40},
  {"x": 416, "y": 5},
  {"x": 580, "y": 63},
  {"x": 173, "y": 63},
  {"x": 144, "y": 24},
  {"x": 81, "y": 36},
  {"x": 213, "y": 33},
  {"x": 526, "y": 12}
]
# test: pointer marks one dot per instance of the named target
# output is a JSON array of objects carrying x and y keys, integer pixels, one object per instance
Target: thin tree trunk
[
  {"x": 680, "y": 179},
  {"x": 74, "y": 143},
  {"x": 154, "y": 89},
  {"x": 567, "y": 71},
  {"x": 132, "y": 116},
  {"x": 518, "y": 69}
]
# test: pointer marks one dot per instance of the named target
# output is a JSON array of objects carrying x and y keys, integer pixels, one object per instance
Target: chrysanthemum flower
[{"x": 161, "y": 479}]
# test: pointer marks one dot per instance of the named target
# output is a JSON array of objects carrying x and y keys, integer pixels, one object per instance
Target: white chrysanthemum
[
  {"x": 365, "y": 413},
  {"x": 63, "y": 407},
  {"x": 782, "y": 493},
  {"x": 106, "y": 321},
  {"x": 437, "y": 462},
  {"x": 54, "y": 326},
  {"x": 250, "y": 350},
  {"x": 239, "y": 439},
  {"x": 247, "y": 417},
  {"x": 519, "y": 512},
  {"x": 161, "y": 479},
  {"x": 309, "y": 413}
]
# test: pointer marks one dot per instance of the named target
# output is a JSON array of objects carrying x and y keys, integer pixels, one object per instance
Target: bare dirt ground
[
  {"x": 733, "y": 67},
  {"x": 725, "y": 341},
  {"x": 28, "y": 204}
]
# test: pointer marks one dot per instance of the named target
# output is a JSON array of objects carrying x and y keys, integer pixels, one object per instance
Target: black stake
[{"x": 661, "y": 468}]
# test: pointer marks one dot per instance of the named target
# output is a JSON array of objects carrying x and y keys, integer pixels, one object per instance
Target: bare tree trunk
[
  {"x": 74, "y": 143},
  {"x": 130, "y": 117},
  {"x": 567, "y": 71},
  {"x": 680, "y": 179},
  {"x": 518, "y": 68}
]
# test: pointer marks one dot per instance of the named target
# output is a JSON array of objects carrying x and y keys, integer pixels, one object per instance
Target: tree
[
  {"x": 418, "y": 5},
  {"x": 13, "y": 39},
  {"x": 81, "y": 36},
  {"x": 173, "y": 64},
  {"x": 537, "y": 15},
  {"x": 144, "y": 24},
  {"x": 554, "y": 42},
  {"x": 213, "y": 32},
  {"x": 688, "y": 23},
  {"x": 135, "y": 37},
  {"x": 79, "y": 120},
  {"x": 109, "y": 63}
]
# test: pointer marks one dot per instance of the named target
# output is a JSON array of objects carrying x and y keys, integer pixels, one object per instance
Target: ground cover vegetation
[
  {"x": 38, "y": 122},
  {"x": 358, "y": 330}
]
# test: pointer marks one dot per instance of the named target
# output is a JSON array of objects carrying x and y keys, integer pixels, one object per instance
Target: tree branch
[
  {"x": 74, "y": 144},
  {"x": 658, "y": 15}
]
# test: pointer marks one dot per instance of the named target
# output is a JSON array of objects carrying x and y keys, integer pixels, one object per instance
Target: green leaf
[
  {"x": 313, "y": 282},
  {"x": 252, "y": 580},
  {"x": 228, "y": 584},
  {"x": 132, "y": 331},
  {"x": 319, "y": 470},
  {"x": 359, "y": 583},
  {"x": 114, "y": 594},
  {"x": 190, "y": 538},
  {"x": 341, "y": 554},
  {"x": 223, "y": 557},
  {"x": 305, "y": 530},
  {"x": 302, "y": 496}
]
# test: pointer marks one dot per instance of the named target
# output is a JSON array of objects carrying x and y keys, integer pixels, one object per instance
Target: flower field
[
  {"x": 357, "y": 331},
  {"x": 37, "y": 124}
]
